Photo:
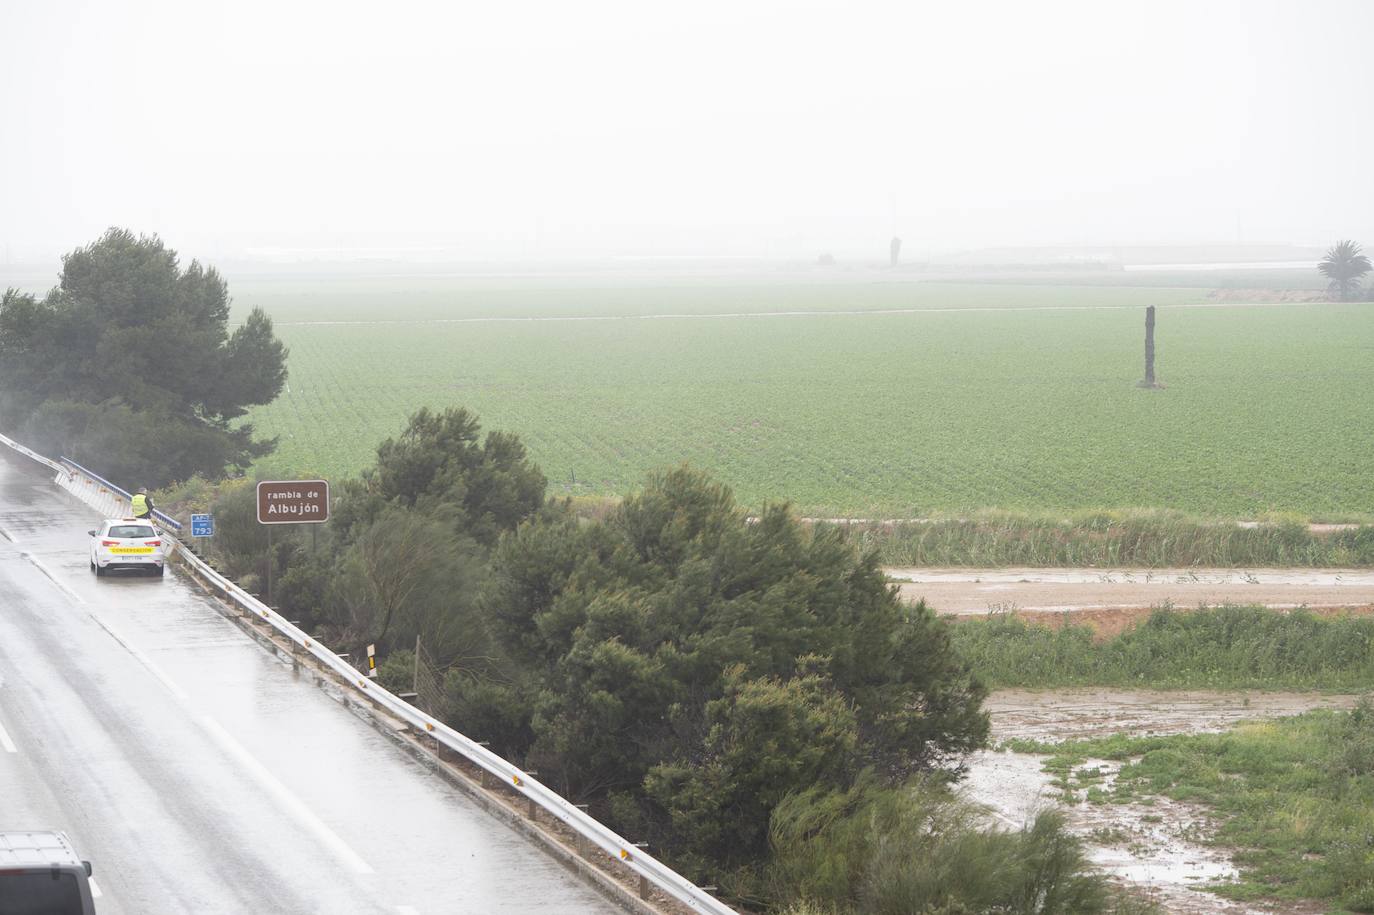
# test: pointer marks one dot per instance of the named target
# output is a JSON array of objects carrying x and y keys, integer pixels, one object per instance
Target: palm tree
[{"x": 1344, "y": 265}]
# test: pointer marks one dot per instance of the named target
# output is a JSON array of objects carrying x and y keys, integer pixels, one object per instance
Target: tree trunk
[{"x": 1150, "y": 347}]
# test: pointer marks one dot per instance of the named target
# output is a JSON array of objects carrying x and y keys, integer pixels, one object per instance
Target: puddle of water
[
  {"x": 1161, "y": 848},
  {"x": 1148, "y": 847}
]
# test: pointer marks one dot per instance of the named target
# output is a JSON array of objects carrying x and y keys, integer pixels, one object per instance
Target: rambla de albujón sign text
[{"x": 293, "y": 501}]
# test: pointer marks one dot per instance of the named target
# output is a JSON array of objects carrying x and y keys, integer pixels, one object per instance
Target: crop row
[{"x": 1265, "y": 409}]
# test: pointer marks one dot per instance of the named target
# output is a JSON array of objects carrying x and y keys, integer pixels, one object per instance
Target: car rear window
[
  {"x": 47, "y": 892},
  {"x": 131, "y": 531}
]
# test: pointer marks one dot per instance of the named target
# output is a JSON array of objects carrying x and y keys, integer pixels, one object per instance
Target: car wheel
[
  {"x": 99, "y": 571},
  {"x": 160, "y": 569}
]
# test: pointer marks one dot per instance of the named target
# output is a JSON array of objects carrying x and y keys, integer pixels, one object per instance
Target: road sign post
[{"x": 290, "y": 502}]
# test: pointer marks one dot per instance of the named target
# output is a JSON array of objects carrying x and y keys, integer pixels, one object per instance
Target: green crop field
[{"x": 853, "y": 397}]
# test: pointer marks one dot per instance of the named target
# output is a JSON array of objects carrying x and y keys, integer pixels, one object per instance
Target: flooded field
[{"x": 1162, "y": 847}]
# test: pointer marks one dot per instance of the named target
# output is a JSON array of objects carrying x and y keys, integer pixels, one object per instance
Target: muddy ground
[
  {"x": 1162, "y": 848},
  {"x": 963, "y": 592}
]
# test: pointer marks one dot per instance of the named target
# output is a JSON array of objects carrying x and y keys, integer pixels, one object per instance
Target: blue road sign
[{"x": 202, "y": 526}]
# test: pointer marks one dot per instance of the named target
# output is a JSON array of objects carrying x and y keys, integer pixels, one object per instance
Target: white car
[{"x": 126, "y": 543}]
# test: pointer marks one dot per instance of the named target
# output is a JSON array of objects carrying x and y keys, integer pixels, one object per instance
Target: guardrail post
[
  {"x": 581, "y": 839},
  {"x": 486, "y": 777},
  {"x": 643, "y": 881},
  {"x": 531, "y": 810},
  {"x": 482, "y": 770},
  {"x": 295, "y": 650},
  {"x": 644, "y": 889}
]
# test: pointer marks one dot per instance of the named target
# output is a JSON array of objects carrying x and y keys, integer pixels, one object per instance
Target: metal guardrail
[
  {"x": 5, "y": 439},
  {"x": 614, "y": 845},
  {"x": 88, "y": 486},
  {"x": 91, "y": 475}
]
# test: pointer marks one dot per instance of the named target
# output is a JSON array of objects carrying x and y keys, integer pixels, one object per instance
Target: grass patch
[
  {"x": 1221, "y": 648},
  {"x": 1294, "y": 795}
]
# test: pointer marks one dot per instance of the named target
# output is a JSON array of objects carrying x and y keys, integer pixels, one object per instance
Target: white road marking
[
  {"x": 139, "y": 656},
  {"x": 248, "y": 763},
  {"x": 5, "y": 741},
  {"x": 8, "y": 535},
  {"x": 284, "y": 797},
  {"x": 63, "y": 586},
  {"x": 95, "y": 888}
]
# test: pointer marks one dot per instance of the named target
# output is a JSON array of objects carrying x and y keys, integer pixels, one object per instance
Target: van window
[{"x": 45, "y": 892}]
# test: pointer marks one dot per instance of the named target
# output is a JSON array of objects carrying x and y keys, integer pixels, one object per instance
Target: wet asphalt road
[{"x": 198, "y": 774}]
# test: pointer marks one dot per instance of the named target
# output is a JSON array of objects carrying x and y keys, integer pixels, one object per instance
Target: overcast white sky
[{"x": 549, "y": 129}]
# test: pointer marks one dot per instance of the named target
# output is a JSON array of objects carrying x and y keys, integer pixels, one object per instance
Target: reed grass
[
  {"x": 1228, "y": 647},
  {"x": 1140, "y": 539}
]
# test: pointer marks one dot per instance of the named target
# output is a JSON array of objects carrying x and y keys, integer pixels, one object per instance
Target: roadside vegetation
[
  {"x": 746, "y": 695},
  {"x": 1295, "y": 796},
  {"x": 922, "y": 849},
  {"x": 129, "y": 365},
  {"x": 1219, "y": 648}
]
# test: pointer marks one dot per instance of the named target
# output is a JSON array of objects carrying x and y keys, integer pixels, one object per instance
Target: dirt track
[{"x": 966, "y": 592}]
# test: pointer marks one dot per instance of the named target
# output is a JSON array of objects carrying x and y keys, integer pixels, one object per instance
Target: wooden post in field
[{"x": 1149, "y": 381}]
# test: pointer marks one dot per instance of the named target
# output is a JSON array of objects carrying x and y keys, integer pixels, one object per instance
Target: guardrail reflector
[
  {"x": 515, "y": 778},
  {"x": 428, "y": 726},
  {"x": 624, "y": 855}
]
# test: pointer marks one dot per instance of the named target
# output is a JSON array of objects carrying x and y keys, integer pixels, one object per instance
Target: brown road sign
[{"x": 293, "y": 501}]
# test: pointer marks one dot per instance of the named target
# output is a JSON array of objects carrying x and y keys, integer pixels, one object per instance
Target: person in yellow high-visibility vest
[{"x": 142, "y": 504}]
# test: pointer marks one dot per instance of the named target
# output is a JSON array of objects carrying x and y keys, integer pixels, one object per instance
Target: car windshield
[{"x": 131, "y": 531}]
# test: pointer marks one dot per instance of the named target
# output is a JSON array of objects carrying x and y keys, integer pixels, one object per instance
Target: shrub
[{"x": 921, "y": 848}]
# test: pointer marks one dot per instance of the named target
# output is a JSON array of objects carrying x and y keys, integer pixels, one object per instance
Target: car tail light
[
  {"x": 109, "y": 543},
  {"x": 152, "y": 543}
]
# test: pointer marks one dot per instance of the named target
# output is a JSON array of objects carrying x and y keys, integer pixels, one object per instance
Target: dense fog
[{"x": 438, "y": 131}]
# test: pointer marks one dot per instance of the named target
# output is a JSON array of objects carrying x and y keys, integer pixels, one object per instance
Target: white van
[{"x": 40, "y": 874}]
